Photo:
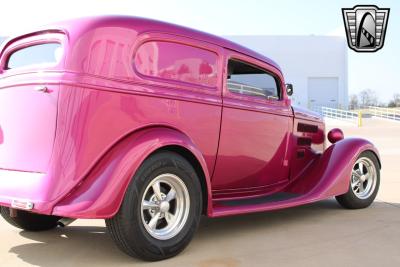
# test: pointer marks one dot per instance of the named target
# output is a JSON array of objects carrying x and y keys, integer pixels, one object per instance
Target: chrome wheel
[
  {"x": 165, "y": 206},
  {"x": 363, "y": 178}
]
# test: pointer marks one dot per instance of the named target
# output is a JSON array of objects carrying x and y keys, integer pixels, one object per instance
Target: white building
[{"x": 315, "y": 65}]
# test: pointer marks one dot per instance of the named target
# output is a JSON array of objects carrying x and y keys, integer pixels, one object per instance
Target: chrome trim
[{"x": 22, "y": 204}]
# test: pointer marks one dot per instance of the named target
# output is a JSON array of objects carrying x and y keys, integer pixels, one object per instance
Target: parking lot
[{"x": 320, "y": 234}]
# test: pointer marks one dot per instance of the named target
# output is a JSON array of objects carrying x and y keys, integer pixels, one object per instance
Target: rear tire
[
  {"x": 30, "y": 221},
  {"x": 161, "y": 209},
  {"x": 364, "y": 183}
]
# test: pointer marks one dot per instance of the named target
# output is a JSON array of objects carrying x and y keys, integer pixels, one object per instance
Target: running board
[
  {"x": 276, "y": 197},
  {"x": 259, "y": 204}
]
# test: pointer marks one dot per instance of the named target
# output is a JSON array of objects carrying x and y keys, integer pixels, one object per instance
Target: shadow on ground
[{"x": 91, "y": 245}]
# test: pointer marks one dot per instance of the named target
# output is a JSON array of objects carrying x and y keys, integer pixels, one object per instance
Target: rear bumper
[{"x": 25, "y": 187}]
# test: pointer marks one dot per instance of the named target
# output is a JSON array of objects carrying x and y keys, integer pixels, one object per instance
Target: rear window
[
  {"x": 177, "y": 62},
  {"x": 35, "y": 55}
]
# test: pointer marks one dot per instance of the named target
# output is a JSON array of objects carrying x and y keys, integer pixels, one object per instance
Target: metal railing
[
  {"x": 317, "y": 107},
  {"x": 340, "y": 114},
  {"x": 251, "y": 90},
  {"x": 385, "y": 113}
]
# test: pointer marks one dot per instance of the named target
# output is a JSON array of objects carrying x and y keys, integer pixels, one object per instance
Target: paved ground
[{"x": 321, "y": 234}]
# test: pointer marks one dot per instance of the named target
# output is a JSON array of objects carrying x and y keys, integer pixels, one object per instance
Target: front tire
[
  {"x": 30, "y": 221},
  {"x": 364, "y": 183},
  {"x": 161, "y": 209}
]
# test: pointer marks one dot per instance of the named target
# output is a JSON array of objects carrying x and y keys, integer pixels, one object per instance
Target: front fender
[
  {"x": 329, "y": 175},
  {"x": 100, "y": 194}
]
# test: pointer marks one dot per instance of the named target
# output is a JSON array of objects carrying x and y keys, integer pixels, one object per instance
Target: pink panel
[
  {"x": 252, "y": 149},
  {"x": 27, "y": 127}
]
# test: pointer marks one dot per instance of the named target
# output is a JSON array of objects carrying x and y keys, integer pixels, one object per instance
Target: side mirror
[{"x": 289, "y": 89}]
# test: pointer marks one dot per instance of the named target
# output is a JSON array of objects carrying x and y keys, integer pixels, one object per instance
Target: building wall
[{"x": 304, "y": 57}]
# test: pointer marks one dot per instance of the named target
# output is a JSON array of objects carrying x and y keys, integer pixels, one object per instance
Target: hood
[{"x": 306, "y": 114}]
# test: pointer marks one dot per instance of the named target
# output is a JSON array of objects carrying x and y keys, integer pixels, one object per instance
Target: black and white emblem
[{"x": 365, "y": 27}]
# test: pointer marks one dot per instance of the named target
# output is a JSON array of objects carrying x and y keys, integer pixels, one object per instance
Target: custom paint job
[{"x": 116, "y": 96}]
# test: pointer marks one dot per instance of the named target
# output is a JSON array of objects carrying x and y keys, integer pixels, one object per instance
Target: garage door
[{"x": 323, "y": 91}]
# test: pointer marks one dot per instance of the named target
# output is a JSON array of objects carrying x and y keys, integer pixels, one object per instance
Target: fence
[
  {"x": 356, "y": 116},
  {"x": 340, "y": 114},
  {"x": 385, "y": 113}
]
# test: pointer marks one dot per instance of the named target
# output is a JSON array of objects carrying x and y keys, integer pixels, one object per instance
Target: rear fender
[
  {"x": 329, "y": 175},
  {"x": 100, "y": 194}
]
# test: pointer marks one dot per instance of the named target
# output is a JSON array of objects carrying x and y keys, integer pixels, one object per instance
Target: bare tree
[
  {"x": 353, "y": 104},
  {"x": 395, "y": 102},
  {"x": 368, "y": 97}
]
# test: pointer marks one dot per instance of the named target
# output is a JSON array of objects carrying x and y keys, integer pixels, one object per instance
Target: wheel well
[{"x": 188, "y": 155}]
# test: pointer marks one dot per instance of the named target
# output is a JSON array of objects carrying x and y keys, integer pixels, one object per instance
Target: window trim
[{"x": 278, "y": 81}]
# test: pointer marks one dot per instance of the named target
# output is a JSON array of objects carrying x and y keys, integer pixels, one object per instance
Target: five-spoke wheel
[
  {"x": 364, "y": 177},
  {"x": 165, "y": 206}
]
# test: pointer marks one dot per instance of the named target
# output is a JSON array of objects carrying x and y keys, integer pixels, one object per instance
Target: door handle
[{"x": 42, "y": 88}]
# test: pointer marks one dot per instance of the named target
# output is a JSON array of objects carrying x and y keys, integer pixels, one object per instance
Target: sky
[{"x": 379, "y": 71}]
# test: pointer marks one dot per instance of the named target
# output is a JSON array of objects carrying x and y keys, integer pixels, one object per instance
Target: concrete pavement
[{"x": 320, "y": 234}]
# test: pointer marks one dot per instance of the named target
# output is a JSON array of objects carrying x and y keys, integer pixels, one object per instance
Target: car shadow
[{"x": 92, "y": 246}]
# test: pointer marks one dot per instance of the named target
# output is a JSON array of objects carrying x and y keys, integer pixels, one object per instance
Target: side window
[
  {"x": 38, "y": 55},
  {"x": 177, "y": 62},
  {"x": 249, "y": 80}
]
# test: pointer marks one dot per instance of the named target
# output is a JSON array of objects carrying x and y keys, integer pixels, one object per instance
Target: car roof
[{"x": 142, "y": 25}]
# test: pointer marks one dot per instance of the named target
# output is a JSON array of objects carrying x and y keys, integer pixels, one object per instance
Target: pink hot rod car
[{"x": 150, "y": 125}]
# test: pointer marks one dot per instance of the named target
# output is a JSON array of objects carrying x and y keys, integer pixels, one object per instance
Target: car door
[{"x": 255, "y": 128}]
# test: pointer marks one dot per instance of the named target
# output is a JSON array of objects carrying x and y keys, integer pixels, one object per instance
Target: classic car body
[{"x": 73, "y": 133}]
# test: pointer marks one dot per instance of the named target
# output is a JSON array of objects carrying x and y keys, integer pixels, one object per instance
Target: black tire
[
  {"x": 30, "y": 221},
  {"x": 350, "y": 200},
  {"x": 127, "y": 228}
]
